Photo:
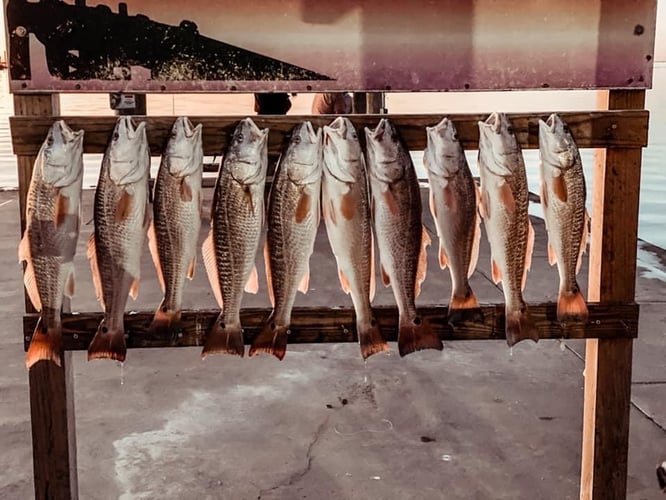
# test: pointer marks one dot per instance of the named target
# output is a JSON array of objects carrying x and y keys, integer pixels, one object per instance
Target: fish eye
[
  {"x": 454, "y": 136},
  {"x": 297, "y": 139},
  {"x": 239, "y": 137},
  {"x": 509, "y": 129},
  {"x": 394, "y": 137},
  {"x": 116, "y": 136},
  {"x": 49, "y": 140},
  {"x": 566, "y": 129}
]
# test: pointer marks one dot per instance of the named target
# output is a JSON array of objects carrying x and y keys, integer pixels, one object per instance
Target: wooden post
[
  {"x": 359, "y": 103},
  {"x": 51, "y": 387},
  {"x": 374, "y": 102},
  {"x": 611, "y": 280}
]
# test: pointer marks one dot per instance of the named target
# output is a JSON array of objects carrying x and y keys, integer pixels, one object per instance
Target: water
[{"x": 653, "y": 182}]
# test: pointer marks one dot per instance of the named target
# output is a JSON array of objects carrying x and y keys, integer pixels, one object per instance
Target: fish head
[
  {"x": 304, "y": 153},
  {"x": 62, "y": 151},
  {"x": 184, "y": 151},
  {"x": 556, "y": 144},
  {"x": 247, "y": 153},
  {"x": 127, "y": 152},
  {"x": 443, "y": 152},
  {"x": 385, "y": 149},
  {"x": 497, "y": 139},
  {"x": 342, "y": 149}
]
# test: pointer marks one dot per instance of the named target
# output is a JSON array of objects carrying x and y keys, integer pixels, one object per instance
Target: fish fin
[
  {"x": 269, "y": 274},
  {"x": 484, "y": 204},
  {"x": 443, "y": 259},
  {"x": 69, "y": 284},
  {"x": 124, "y": 206},
  {"x": 192, "y": 268},
  {"x": 495, "y": 272},
  {"x": 348, "y": 205},
  {"x": 385, "y": 277},
  {"x": 370, "y": 339},
  {"x": 415, "y": 335},
  {"x": 433, "y": 207},
  {"x": 108, "y": 344},
  {"x": 30, "y": 282},
  {"x": 476, "y": 245},
  {"x": 528, "y": 254},
  {"x": 303, "y": 207},
  {"x": 252, "y": 285},
  {"x": 560, "y": 188},
  {"x": 552, "y": 256},
  {"x": 45, "y": 345},
  {"x": 391, "y": 202},
  {"x": 304, "y": 284},
  {"x": 61, "y": 209},
  {"x": 224, "y": 339},
  {"x": 152, "y": 246},
  {"x": 571, "y": 306},
  {"x": 24, "y": 248},
  {"x": 464, "y": 308},
  {"x": 332, "y": 213},
  {"x": 519, "y": 326},
  {"x": 583, "y": 242},
  {"x": 271, "y": 340},
  {"x": 94, "y": 269},
  {"x": 344, "y": 282},
  {"x": 165, "y": 321},
  {"x": 422, "y": 267},
  {"x": 506, "y": 196},
  {"x": 134, "y": 289},
  {"x": 185, "y": 190},
  {"x": 544, "y": 197},
  {"x": 450, "y": 197},
  {"x": 210, "y": 263},
  {"x": 373, "y": 277}
]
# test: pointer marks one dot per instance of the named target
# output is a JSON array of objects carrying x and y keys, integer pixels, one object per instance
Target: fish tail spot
[
  {"x": 45, "y": 345},
  {"x": 108, "y": 343},
  {"x": 519, "y": 326},
  {"x": 371, "y": 339},
  {"x": 571, "y": 306},
  {"x": 416, "y": 335},
  {"x": 464, "y": 309},
  {"x": 165, "y": 321},
  {"x": 224, "y": 338}
]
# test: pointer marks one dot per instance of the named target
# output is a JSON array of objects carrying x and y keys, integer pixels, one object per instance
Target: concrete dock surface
[{"x": 475, "y": 421}]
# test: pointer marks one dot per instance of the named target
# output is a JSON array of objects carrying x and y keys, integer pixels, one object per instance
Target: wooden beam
[
  {"x": 612, "y": 279},
  {"x": 325, "y": 325},
  {"x": 591, "y": 129}
]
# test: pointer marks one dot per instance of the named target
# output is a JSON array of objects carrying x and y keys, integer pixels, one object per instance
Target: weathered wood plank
[
  {"x": 591, "y": 129},
  {"x": 326, "y": 325},
  {"x": 611, "y": 280}
]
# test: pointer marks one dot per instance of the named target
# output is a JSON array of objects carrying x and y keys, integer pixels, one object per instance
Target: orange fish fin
[
  {"x": 210, "y": 263},
  {"x": 271, "y": 340},
  {"x": 373, "y": 278},
  {"x": 450, "y": 199},
  {"x": 94, "y": 269},
  {"x": 134, "y": 289},
  {"x": 476, "y": 244},
  {"x": 431, "y": 204},
  {"x": 344, "y": 282},
  {"x": 269, "y": 274},
  {"x": 30, "y": 283},
  {"x": 583, "y": 242},
  {"x": 464, "y": 308},
  {"x": 24, "y": 247},
  {"x": 422, "y": 267},
  {"x": 484, "y": 204},
  {"x": 152, "y": 246},
  {"x": 192, "y": 268},
  {"x": 552, "y": 256},
  {"x": 544, "y": 196},
  {"x": 495, "y": 272},
  {"x": 224, "y": 339},
  {"x": 69, "y": 284},
  {"x": 186, "y": 190},
  {"x": 61, "y": 209},
  {"x": 108, "y": 344},
  {"x": 560, "y": 188},
  {"x": 385, "y": 277},
  {"x": 45, "y": 345},
  {"x": 348, "y": 204},
  {"x": 391, "y": 202},
  {"x": 370, "y": 339},
  {"x": 303, "y": 207},
  {"x": 252, "y": 285},
  {"x": 304, "y": 285},
  {"x": 124, "y": 206},
  {"x": 506, "y": 197},
  {"x": 519, "y": 326},
  {"x": 415, "y": 335},
  {"x": 571, "y": 306},
  {"x": 443, "y": 259},
  {"x": 528, "y": 254}
]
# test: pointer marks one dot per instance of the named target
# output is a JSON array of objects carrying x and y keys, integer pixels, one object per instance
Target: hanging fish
[
  {"x": 401, "y": 237},
  {"x": 173, "y": 234},
  {"x": 122, "y": 216},
  {"x": 293, "y": 218},
  {"x": 504, "y": 200},
  {"x": 453, "y": 203},
  {"x": 346, "y": 210},
  {"x": 237, "y": 219},
  {"x": 563, "y": 201},
  {"x": 52, "y": 230}
]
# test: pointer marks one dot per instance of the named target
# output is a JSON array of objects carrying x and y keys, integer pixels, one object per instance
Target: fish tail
[
  {"x": 571, "y": 306},
  {"x": 464, "y": 308},
  {"x": 46, "y": 344},
  {"x": 519, "y": 326},
  {"x": 415, "y": 335},
  {"x": 224, "y": 339},
  {"x": 165, "y": 321},
  {"x": 371, "y": 339},
  {"x": 271, "y": 340},
  {"x": 108, "y": 343}
]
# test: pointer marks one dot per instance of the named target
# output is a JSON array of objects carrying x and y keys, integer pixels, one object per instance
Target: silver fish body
[
  {"x": 52, "y": 230},
  {"x": 563, "y": 202},
  {"x": 504, "y": 204},
  {"x": 237, "y": 219},
  {"x": 121, "y": 215},
  {"x": 293, "y": 218},
  {"x": 401, "y": 238}
]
